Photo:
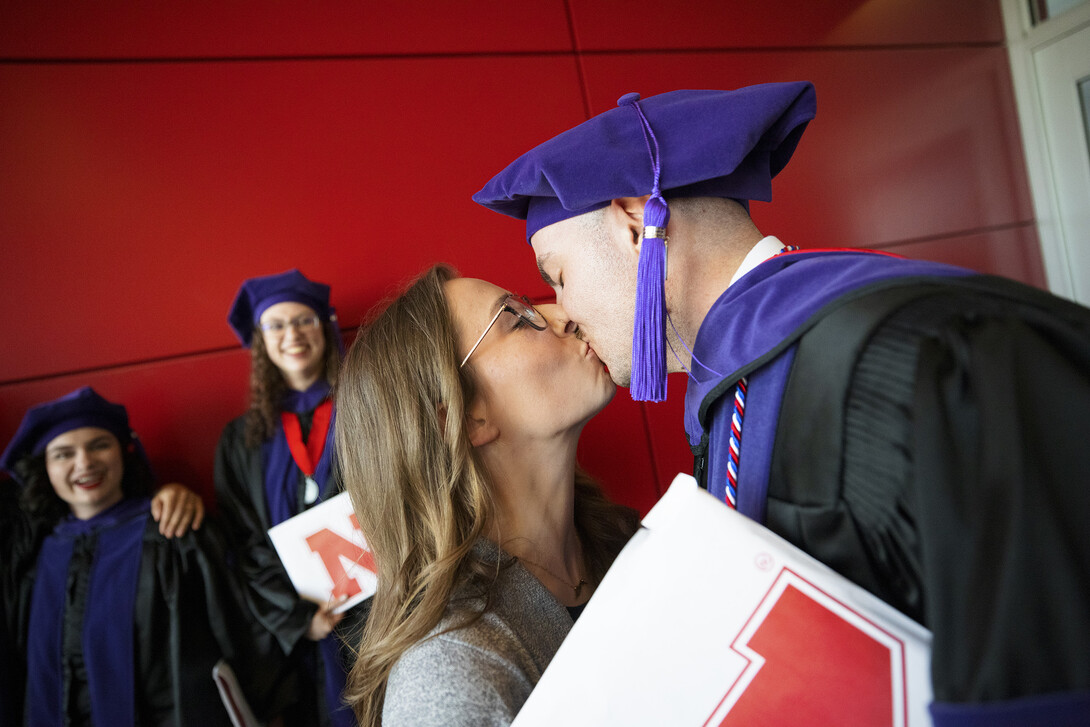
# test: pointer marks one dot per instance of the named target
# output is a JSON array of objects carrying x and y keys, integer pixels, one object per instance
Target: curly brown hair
[{"x": 267, "y": 384}]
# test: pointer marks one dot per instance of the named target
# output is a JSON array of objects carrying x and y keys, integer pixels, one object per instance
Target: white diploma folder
[
  {"x": 708, "y": 619},
  {"x": 325, "y": 553}
]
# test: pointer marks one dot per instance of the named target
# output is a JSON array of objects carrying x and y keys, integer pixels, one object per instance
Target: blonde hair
[{"x": 420, "y": 494}]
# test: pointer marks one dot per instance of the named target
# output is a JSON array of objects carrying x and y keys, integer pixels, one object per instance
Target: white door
[{"x": 1051, "y": 71}]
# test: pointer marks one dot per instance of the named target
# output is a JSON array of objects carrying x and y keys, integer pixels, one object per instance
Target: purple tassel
[{"x": 648, "y": 380}]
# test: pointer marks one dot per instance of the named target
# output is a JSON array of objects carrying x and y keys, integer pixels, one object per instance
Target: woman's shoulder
[
  {"x": 234, "y": 430},
  {"x": 479, "y": 674},
  {"x": 236, "y": 459},
  {"x": 208, "y": 541},
  {"x": 462, "y": 639},
  {"x": 479, "y": 670}
]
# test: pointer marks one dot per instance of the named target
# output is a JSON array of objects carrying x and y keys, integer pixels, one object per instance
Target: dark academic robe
[
  {"x": 240, "y": 477},
  {"x": 115, "y": 623},
  {"x": 923, "y": 430},
  {"x": 20, "y": 538}
]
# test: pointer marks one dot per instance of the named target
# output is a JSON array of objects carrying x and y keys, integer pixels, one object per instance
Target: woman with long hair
[
  {"x": 274, "y": 462},
  {"x": 111, "y": 621},
  {"x": 460, "y": 410}
]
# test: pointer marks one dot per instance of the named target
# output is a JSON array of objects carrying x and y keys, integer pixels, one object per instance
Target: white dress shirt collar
[{"x": 767, "y": 247}]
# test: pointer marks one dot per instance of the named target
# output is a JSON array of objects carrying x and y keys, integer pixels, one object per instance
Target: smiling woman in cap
[
  {"x": 99, "y": 595},
  {"x": 917, "y": 427},
  {"x": 276, "y": 461}
]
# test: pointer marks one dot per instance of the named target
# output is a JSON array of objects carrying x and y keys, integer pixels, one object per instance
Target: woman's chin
[{"x": 609, "y": 390}]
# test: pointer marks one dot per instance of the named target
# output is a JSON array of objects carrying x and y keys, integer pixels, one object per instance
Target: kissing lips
[{"x": 591, "y": 353}]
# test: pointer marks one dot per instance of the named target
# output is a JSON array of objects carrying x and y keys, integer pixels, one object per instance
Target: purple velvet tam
[
  {"x": 712, "y": 144},
  {"x": 44, "y": 422},
  {"x": 259, "y": 294}
]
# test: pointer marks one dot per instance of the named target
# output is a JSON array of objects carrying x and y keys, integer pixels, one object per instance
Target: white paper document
[
  {"x": 710, "y": 620},
  {"x": 325, "y": 553}
]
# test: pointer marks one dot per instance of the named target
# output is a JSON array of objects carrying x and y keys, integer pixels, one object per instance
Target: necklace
[{"x": 574, "y": 588}]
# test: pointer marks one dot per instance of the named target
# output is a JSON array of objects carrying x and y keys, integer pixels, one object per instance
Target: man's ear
[
  {"x": 626, "y": 214},
  {"x": 479, "y": 425}
]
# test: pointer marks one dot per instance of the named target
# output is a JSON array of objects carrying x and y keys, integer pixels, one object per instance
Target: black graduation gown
[
  {"x": 20, "y": 538},
  {"x": 932, "y": 446},
  {"x": 192, "y": 610},
  {"x": 187, "y": 615},
  {"x": 270, "y": 595},
  {"x": 240, "y": 497}
]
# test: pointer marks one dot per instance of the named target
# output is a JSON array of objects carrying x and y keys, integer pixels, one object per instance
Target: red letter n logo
[
  {"x": 814, "y": 660},
  {"x": 336, "y": 550}
]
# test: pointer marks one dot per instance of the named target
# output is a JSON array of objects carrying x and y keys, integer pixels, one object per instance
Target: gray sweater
[{"x": 480, "y": 674}]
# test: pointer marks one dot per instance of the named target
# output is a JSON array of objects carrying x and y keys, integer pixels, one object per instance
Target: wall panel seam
[{"x": 577, "y": 52}]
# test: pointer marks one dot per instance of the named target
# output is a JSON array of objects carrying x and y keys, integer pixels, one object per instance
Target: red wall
[{"x": 154, "y": 155}]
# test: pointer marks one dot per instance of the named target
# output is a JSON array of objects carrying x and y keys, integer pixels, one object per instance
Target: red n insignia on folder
[
  {"x": 331, "y": 548},
  {"x": 813, "y": 660}
]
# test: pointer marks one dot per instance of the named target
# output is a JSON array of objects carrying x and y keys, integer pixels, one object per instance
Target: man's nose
[{"x": 559, "y": 319}]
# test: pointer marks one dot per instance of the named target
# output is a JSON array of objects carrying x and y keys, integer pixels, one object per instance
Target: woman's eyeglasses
[
  {"x": 518, "y": 307},
  {"x": 278, "y": 327}
]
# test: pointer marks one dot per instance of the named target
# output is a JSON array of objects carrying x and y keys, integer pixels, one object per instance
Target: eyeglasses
[
  {"x": 518, "y": 307},
  {"x": 278, "y": 327}
]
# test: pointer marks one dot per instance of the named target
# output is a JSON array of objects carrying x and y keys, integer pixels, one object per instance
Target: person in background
[
  {"x": 460, "y": 411},
  {"x": 175, "y": 507},
  {"x": 111, "y": 621},
  {"x": 274, "y": 462},
  {"x": 919, "y": 428}
]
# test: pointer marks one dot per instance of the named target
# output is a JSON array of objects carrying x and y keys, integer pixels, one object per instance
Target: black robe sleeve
[
  {"x": 189, "y": 615},
  {"x": 949, "y": 477},
  {"x": 269, "y": 593},
  {"x": 20, "y": 538},
  {"x": 1002, "y": 431}
]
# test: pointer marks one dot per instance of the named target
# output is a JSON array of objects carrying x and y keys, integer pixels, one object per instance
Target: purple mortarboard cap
[
  {"x": 681, "y": 144},
  {"x": 712, "y": 144},
  {"x": 44, "y": 422},
  {"x": 256, "y": 295}
]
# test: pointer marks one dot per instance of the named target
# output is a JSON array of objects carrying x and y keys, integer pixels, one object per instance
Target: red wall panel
[
  {"x": 154, "y": 189},
  {"x": 906, "y": 144},
  {"x": 155, "y": 155},
  {"x": 630, "y": 24},
  {"x": 252, "y": 28},
  {"x": 1013, "y": 253}
]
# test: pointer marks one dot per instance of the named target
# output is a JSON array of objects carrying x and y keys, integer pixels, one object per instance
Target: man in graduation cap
[{"x": 919, "y": 428}]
